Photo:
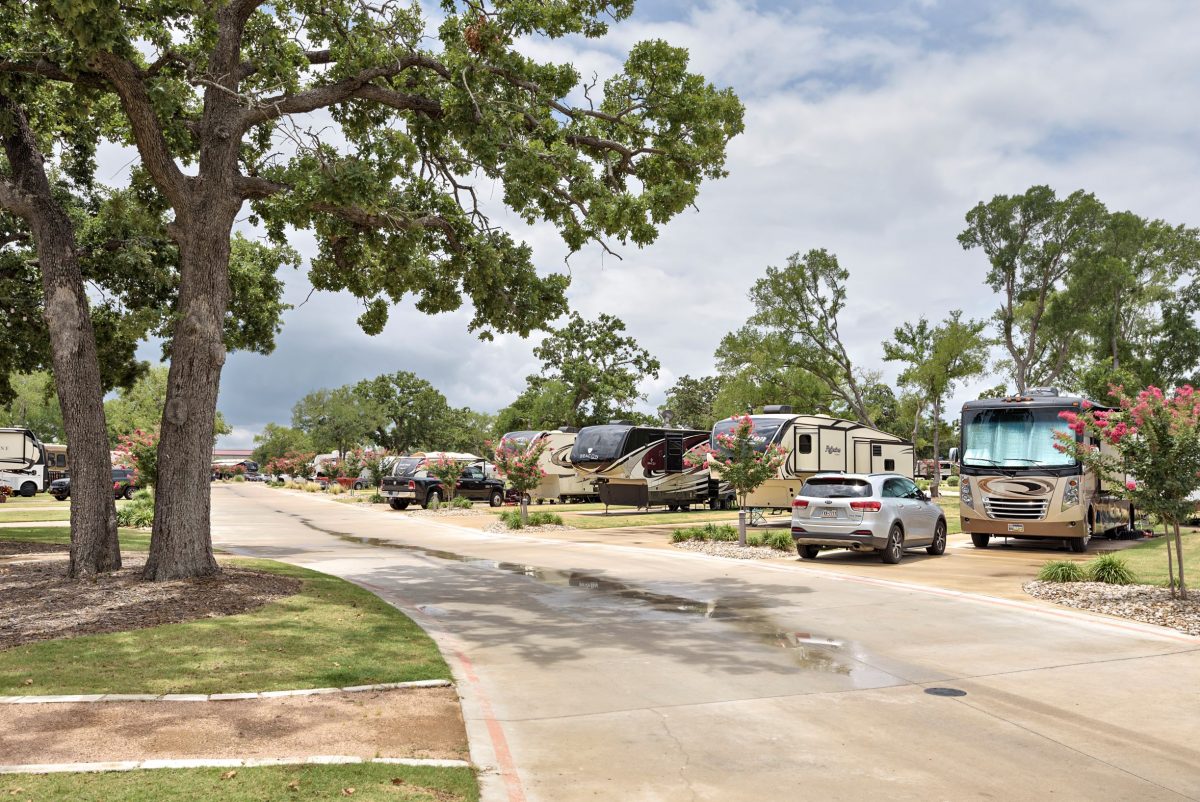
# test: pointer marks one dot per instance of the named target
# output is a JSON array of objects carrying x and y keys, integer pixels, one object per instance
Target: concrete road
[{"x": 591, "y": 671}]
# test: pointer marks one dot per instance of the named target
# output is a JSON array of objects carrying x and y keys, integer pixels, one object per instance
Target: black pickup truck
[{"x": 409, "y": 483}]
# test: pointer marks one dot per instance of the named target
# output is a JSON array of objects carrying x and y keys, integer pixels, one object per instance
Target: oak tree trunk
[
  {"x": 94, "y": 545},
  {"x": 181, "y": 545}
]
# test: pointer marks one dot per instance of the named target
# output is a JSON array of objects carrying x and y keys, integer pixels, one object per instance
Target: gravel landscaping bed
[
  {"x": 728, "y": 548},
  {"x": 40, "y": 602},
  {"x": 500, "y": 526},
  {"x": 451, "y": 513},
  {"x": 1146, "y": 603}
]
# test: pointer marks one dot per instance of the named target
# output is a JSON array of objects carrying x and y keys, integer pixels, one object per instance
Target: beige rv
[
  {"x": 1015, "y": 483},
  {"x": 816, "y": 443},
  {"x": 560, "y": 482}
]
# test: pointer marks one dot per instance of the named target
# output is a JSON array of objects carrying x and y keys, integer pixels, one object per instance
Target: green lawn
[
  {"x": 1149, "y": 560},
  {"x": 12, "y": 513},
  {"x": 331, "y": 634},
  {"x": 369, "y": 781},
  {"x": 131, "y": 539}
]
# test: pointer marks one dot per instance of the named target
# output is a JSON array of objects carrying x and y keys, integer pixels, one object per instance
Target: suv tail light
[
  {"x": 799, "y": 503},
  {"x": 866, "y": 506}
]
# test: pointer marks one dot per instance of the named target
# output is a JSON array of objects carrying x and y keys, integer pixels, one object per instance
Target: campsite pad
[{"x": 41, "y": 603}]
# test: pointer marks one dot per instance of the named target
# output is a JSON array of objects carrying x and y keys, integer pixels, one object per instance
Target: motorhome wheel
[
  {"x": 1078, "y": 545},
  {"x": 28, "y": 489},
  {"x": 981, "y": 540}
]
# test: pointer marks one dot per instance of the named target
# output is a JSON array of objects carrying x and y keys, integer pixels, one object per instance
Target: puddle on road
[{"x": 744, "y": 613}]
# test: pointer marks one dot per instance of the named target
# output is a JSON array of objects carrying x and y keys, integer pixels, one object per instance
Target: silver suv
[{"x": 882, "y": 512}]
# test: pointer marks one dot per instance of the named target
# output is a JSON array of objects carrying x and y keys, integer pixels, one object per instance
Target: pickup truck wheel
[
  {"x": 433, "y": 497},
  {"x": 496, "y": 499},
  {"x": 61, "y": 498},
  {"x": 398, "y": 503},
  {"x": 128, "y": 494},
  {"x": 808, "y": 552},
  {"x": 980, "y": 540},
  {"x": 894, "y": 549}
]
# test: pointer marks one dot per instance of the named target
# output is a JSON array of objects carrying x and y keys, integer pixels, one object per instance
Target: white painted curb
[
  {"x": 214, "y": 697},
  {"x": 223, "y": 763}
]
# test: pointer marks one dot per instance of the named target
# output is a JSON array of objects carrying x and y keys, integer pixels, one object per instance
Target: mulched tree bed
[
  {"x": 41, "y": 603},
  {"x": 11, "y": 547}
]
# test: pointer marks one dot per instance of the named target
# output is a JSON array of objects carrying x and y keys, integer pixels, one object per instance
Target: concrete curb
[
  {"x": 223, "y": 763},
  {"x": 214, "y": 697}
]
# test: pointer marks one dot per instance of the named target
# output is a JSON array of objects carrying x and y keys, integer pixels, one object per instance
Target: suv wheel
[
  {"x": 980, "y": 540},
  {"x": 808, "y": 552},
  {"x": 938, "y": 547},
  {"x": 432, "y": 497},
  {"x": 496, "y": 499},
  {"x": 894, "y": 549}
]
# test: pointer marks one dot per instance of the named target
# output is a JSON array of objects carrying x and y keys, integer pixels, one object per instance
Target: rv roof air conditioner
[
  {"x": 777, "y": 409},
  {"x": 569, "y": 429},
  {"x": 1044, "y": 391},
  {"x": 620, "y": 423}
]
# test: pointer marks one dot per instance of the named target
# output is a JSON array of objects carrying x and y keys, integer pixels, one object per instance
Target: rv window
[
  {"x": 876, "y": 451},
  {"x": 766, "y": 431},
  {"x": 520, "y": 439},
  {"x": 1014, "y": 438},
  {"x": 836, "y": 487},
  {"x": 599, "y": 444},
  {"x": 806, "y": 444},
  {"x": 889, "y": 464},
  {"x": 640, "y": 438}
]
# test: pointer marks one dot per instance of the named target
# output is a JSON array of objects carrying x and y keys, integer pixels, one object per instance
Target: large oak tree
[{"x": 351, "y": 120}]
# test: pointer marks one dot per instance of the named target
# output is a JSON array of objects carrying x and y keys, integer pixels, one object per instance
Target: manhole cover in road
[{"x": 945, "y": 692}]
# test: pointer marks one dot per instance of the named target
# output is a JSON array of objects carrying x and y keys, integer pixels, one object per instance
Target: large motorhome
[
  {"x": 1015, "y": 483},
  {"x": 559, "y": 482},
  {"x": 22, "y": 461},
  {"x": 815, "y": 444},
  {"x": 640, "y": 466}
]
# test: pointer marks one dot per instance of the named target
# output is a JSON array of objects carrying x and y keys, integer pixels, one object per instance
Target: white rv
[
  {"x": 560, "y": 482},
  {"x": 22, "y": 462},
  {"x": 815, "y": 444},
  {"x": 640, "y": 466}
]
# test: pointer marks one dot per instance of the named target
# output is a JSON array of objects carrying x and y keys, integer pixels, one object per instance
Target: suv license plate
[
  {"x": 1016, "y": 527},
  {"x": 828, "y": 513}
]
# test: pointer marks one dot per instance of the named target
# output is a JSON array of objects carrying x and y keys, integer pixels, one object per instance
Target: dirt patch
[
  {"x": 728, "y": 548},
  {"x": 412, "y": 722},
  {"x": 10, "y": 547},
  {"x": 41, "y": 603}
]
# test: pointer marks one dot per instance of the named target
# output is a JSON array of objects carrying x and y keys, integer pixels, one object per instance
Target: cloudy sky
[{"x": 872, "y": 126}]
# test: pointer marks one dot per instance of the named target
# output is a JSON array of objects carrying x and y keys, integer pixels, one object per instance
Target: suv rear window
[{"x": 836, "y": 487}]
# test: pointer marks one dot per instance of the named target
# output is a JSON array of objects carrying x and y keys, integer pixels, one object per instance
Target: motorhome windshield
[
  {"x": 1013, "y": 438},
  {"x": 766, "y": 430},
  {"x": 407, "y": 466},
  {"x": 599, "y": 443}
]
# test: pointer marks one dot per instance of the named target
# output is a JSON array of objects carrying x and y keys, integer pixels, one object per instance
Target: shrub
[
  {"x": 434, "y": 505},
  {"x": 1061, "y": 571},
  {"x": 706, "y": 532},
  {"x": 1111, "y": 570},
  {"x": 335, "y": 489},
  {"x": 237, "y": 477},
  {"x": 460, "y": 503},
  {"x": 375, "y": 498},
  {"x": 952, "y": 481},
  {"x": 512, "y": 519},
  {"x": 139, "y": 512},
  {"x": 922, "y": 483},
  {"x": 780, "y": 541},
  {"x": 312, "y": 487}
]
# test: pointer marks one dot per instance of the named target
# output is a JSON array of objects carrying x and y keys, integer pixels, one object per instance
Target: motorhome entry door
[{"x": 673, "y": 453}]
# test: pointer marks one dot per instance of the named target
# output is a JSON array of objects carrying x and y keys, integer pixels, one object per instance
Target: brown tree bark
[
  {"x": 1179, "y": 561},
  {"x": 94, "y": 544},
  {"x": 935, "y": 482}
]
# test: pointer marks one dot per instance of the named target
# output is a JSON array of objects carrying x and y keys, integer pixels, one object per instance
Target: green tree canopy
[
  {"x": 336, "y": 420},
  {"x": 545, "y": 404},
  {"x": 412, "y": 411},
  {"x": 34, "y": 405},
  {"x": 600, "y": 367},
  {"x": 275, "y": 442},
  {"x": 140, "y": 407},
  {"x": 690, "y": 402}
]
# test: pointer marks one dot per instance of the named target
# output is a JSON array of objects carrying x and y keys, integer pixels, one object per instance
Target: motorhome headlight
[
  {"x": 1071, "y": 493},
  {"x": 964, "y": 492}
]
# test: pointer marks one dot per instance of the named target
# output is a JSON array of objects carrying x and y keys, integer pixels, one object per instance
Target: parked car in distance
[
  {"x": 879, "y": 512},
  {"x": 122, "y": 478},
  {"x": 409, "y": 482},
  {"x": 255, "y": 477}
]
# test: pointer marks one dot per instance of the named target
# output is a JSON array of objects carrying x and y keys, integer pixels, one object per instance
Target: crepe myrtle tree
[
  {"x": 446, "y": 470},
  {"x": 354, "y": 122},
  {"x": 1155, "y": 438},
  {"x": 743, "y": 460},
  {"x": 519, "y": 465}
]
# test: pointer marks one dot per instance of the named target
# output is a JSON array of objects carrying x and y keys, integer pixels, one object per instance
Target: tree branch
[
  {"x": 48, "y": 69},
  {"x": 147, "y": 130}
]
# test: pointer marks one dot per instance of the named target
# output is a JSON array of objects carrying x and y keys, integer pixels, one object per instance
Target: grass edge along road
[
  {"x": 131, "y": 539},
  {"x": 330, "y": 634},
  {"x": 368, "y": 781}
]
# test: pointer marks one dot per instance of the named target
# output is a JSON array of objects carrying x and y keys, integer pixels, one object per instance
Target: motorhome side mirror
[{"x": 954, "y": 455}]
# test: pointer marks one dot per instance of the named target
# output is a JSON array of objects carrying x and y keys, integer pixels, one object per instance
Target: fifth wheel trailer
[{"x": 22, "y": 461}]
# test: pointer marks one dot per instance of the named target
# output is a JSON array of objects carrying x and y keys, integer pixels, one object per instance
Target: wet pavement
[{"x": 597, "y": 671}]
